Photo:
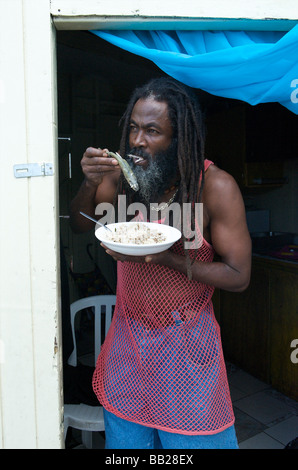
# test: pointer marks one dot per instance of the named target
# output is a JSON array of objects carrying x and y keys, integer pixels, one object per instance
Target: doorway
[{"x": 95, "y": 80}]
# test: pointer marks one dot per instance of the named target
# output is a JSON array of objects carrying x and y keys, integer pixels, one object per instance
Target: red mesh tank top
[{"x": 162, "y": 364}]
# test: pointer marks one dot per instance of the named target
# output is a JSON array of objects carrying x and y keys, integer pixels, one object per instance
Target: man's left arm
[{"x": 229, "y": 237}]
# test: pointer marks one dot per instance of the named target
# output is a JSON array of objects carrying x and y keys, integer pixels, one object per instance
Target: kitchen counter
[
  {"x": 281, "y": 246},
  {"x": 279, "y": 262},
  {"x": 259, "y": 324}
]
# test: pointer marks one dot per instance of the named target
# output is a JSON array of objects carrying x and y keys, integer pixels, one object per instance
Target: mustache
[{"x": 138, "y": 152}]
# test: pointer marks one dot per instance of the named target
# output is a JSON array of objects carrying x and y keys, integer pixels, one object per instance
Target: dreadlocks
[
  {"x": 188, "y": 130},
  {"x": 186, "y": 118}
]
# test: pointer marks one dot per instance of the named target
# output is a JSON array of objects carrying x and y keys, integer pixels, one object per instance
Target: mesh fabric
[{"x": 161, "y": 364}]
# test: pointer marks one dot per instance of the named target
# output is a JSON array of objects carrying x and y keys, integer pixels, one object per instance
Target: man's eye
[{"x": 152, "y": 131}]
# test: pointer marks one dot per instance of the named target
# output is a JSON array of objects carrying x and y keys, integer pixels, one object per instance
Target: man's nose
[{"x": 139, "y": 139}]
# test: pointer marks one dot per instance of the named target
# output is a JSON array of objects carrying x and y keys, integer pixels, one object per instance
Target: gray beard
[
  {"x": 151, "y": 181},
  {"x": 158, "y": 176}
]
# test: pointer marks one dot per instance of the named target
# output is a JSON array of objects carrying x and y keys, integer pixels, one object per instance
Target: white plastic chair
[{"x": 84, "y": 417}]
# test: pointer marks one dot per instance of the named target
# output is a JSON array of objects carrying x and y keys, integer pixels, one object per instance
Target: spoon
[{"x": 96, "y": 221}]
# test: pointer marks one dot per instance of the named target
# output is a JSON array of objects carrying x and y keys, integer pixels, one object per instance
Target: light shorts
[{"x": 123, "y": 434}]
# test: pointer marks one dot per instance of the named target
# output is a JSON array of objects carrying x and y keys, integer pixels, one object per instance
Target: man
[{"x": 161, "y": 375}]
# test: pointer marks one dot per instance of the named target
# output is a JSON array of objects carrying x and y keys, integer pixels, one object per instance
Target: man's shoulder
[
  {"x": 216, "y": 178},
  {"x": 219, "y": 188}
]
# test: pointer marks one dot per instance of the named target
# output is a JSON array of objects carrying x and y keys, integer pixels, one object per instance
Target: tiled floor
[{"x": 265, "y": 419}]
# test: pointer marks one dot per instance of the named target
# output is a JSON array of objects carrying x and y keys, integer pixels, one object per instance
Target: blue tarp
[{"x": 255, "y": 67}]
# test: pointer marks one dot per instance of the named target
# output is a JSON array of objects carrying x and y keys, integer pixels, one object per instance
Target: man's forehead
[{"x": 150, "y": 108}]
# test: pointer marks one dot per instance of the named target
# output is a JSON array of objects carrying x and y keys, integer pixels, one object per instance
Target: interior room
[{"x": 258, "y": 145}]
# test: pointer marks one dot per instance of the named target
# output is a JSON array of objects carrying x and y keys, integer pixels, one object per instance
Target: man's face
[
  {"x": 150, "y": 128},
  {"x": 154, "y": 148}
]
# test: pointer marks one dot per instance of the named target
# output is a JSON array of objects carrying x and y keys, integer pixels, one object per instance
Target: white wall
[
  {"x": 255, "y": 9},
  {"x": 30, "y": 386},
  {"x": 140, "y": 14}
]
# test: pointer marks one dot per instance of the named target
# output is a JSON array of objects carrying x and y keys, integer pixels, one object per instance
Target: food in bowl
[
  {"x": 136, "y": 233},
  {"x": 138, "y": 238}
]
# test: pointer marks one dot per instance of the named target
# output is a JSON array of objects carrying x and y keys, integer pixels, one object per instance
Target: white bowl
[{"x": 172, "y": 235}]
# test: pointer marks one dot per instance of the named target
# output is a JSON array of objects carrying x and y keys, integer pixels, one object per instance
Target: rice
[{"x": 136, "y": 233}]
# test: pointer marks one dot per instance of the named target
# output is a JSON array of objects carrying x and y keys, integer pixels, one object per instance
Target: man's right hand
[
  {"x": 96, "y": 164},
  {"x": 101, "y": 176}
]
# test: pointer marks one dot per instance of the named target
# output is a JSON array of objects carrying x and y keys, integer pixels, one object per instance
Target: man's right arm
[{"x": 101, "y": 176}]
